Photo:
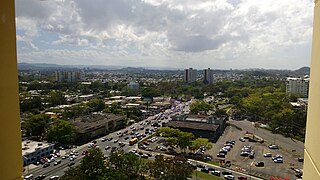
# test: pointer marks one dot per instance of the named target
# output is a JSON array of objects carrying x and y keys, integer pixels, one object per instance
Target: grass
[{"x": 205, "y": 176}]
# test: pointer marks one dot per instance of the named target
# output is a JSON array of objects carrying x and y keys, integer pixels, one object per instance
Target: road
[{"x": 59, "y": 169}]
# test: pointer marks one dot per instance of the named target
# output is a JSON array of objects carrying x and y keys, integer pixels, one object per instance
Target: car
[
  {"x": 107, "y": 147},
  {"x": 83, "y": 153},
  {"x": 28, "y": 177},
  {"x": 242, "y": 178},
  {"x": 278, "y": 160},
  {"x": 145, "y": 156},
  {"x": 71, "y": 159},
  {"x": 57, "y": 162},
  {"x": 229, "y": 177},
  {"x": 71, "y": 164},
  {"x": 221, "y": 155},
  {"x": 54, "y": 177},
  {"x": 205, "y": 170},
  {"x": 267, "y": 155},
  {"x": 244, "y": 153},
  {"x": 300, "y": 159},
  {"x": 116, "y": 140},
  {"x": 226, "y": 173},
  {"x": 277, "y": 157},
  {"x": 126, "y": 138},
  {"x": 94, "y": 142},
  {"x": 242, "y": 139},
  {"x": 216, "y": 173},
  {"x": 103, "y": 139},
  {"x": 200, "y": 166},
  {"x": 273, "y": 146},
  {"x": 40, "y": 177},
  {"x": 259, "y": 164},
  {"x": 46, "y": 165}
]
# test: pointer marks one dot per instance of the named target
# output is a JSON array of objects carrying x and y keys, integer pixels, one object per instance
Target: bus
[{"x": 133, "y": 141}]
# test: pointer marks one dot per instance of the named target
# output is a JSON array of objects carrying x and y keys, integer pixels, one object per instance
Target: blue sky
[{"x": 219, "y": 34}]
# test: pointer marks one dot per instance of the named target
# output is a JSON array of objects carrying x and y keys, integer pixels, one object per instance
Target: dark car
[
  {"x": 200, "y": 166},
  {"x": 226, "y": 173},
  {"x": 46, "y": 165},
  {"x": 205, "y": 170},
  {"x": 242, "y": 178},
  {"x": 211, "y": 169},
  {"x": 221, "y": 155},
  {"x": 300, "y": 159},
  {"x": 71, "y": 164},
  {"x": 259, "y": 164}
]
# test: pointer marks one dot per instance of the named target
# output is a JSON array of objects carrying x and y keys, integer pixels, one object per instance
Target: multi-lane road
[{"x": 58, "y": 170}]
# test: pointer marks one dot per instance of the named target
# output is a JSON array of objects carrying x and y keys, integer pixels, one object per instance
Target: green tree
[
  {"x": 56, "y": 98},
  {"x": 62, "y": 132},
  {"x": 170, "y": 168},
  {"x": 126, "y": 166},
  {"x": 201, "y": 142},
  {"x": 168, "y": 132},
  {"x": 200, "y": 106},
  {"x": 96, "y": 105},
  {"x": 36, "y": 125},
  {"x": 184, "y": 140},
  {"x": 91, "y": 167}
]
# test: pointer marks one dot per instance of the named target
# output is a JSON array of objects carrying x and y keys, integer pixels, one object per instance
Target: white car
[
  {"x": 231, "y": 177},
  {"x": 267, "y": 155}
]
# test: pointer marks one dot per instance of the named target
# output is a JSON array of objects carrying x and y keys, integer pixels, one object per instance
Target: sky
[{"x": 219, "y": 34}]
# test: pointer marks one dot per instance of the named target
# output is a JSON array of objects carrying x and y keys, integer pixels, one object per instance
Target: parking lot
[{"x": 247, "y": 164}]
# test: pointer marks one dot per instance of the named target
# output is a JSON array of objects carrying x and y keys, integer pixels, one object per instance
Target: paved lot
[{"x": 248, "y": 165}]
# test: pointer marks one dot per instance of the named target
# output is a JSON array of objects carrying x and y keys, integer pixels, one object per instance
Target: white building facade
[{"x": 298, "y": 86}]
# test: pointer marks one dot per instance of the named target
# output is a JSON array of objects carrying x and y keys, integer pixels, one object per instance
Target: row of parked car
[
  {"x": 226, "y": 148},
  {"x": 226, "y": 174}
]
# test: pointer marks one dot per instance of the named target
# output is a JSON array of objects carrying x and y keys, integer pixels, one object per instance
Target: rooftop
[
  {"x": 29, "y": 146},
  {"x": 193, "y": 125}
]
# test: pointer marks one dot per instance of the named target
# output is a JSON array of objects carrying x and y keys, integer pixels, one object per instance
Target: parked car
[
  {"x": 226, "y": 173},
  {"x": 278, "y": 160},
  {"x": 205, "y": 170},
  {"x": 242, "y": 178},
  {"x": 229, "y": 177},
  {"x": 40, "y": 177},
  {"x": 216, "y": 173},
  {"x": 267, "y": 155},
  {"x": 273, "y": 146},
  {"x": 259, "y": 164},
  {"x": 46, "y": 165}
]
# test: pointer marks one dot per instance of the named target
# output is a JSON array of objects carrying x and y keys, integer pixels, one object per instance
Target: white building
[
  {"x": 298, "y": 86},
  {"x": 207, "y": 76},
  {"x": 33, "y": 151},
  {"x": 190, "y": 75}
]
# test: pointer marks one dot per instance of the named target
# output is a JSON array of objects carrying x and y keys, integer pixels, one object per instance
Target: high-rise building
[
  {"x": 207, "y": 76},
  {"x": 69, "y": 76},
  {"x": 298, "y": 86},
  {"x": 190, "y": 75}
]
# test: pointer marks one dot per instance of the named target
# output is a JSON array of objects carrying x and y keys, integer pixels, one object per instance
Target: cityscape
[
  {"x": 159, "y": 90},
  {"x": 231, "y": 124}
]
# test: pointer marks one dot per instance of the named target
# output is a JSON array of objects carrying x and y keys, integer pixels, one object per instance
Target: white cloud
[{"x": 199, "y": 33}]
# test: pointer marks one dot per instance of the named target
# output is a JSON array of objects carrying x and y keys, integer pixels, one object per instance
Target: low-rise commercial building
[
  {"x": 97, "y": 124},
  {"x": 200, "y": 126},
  {"x": 33, "y": 151}
]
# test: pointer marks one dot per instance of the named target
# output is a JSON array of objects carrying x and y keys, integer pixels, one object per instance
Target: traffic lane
[{"x": 59, "y": 169}]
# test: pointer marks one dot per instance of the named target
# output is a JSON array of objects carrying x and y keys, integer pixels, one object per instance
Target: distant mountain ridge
[
  {"x": 45, "y": 66},
  {"x": 303, "y": 71}
]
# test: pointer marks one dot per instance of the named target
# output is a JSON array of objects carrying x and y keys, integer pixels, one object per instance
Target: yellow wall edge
[{"x": 10, "y": 135}]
